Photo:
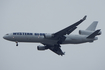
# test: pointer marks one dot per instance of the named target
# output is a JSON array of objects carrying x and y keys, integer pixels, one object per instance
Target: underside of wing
[{"x": 57, "y": 50}]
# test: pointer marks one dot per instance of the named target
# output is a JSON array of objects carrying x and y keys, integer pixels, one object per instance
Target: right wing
[
  {"x": 59, "y": 37},
  {"x": 56, "y": 49}
]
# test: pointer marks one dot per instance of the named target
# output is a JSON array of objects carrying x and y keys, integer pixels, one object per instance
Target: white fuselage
[{"x": 39, "y": 38}]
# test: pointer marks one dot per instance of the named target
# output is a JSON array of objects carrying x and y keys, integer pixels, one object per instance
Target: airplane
[{"x": 53, "y": 41}]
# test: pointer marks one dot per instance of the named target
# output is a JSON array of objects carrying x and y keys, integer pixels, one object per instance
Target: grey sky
[{"x": 50, "y": 16}]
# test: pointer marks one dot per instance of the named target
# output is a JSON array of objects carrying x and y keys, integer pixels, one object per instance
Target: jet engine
[
  {"x": 87, "y": 32},
  {"x": 41, "y": 48},
  {"x": 48, "y": 35}
]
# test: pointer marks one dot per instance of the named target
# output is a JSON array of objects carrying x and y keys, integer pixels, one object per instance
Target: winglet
[
  {"x": 94, "y": 34},
  {"x": 84, "y": 18}
]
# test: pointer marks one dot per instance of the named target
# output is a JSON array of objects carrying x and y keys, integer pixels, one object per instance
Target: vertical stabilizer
[{"x": 92, "y": 27}]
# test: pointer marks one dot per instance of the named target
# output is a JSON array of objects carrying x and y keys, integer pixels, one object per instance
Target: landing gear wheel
[{"x": 16, "y": 43}]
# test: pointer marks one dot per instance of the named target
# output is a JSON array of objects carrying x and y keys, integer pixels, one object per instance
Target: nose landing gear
[{"x": 16, "y": 43}]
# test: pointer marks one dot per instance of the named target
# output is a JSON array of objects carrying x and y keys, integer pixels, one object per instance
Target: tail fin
[
  {"x": 92, "y": 27},
  {"x": 94, "y": 34}
]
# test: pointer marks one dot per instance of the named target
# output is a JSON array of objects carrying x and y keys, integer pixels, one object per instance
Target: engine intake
[{"x": 85, "y": 32}]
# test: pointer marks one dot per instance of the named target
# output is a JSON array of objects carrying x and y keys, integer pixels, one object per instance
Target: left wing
[
  {"x": 59, "y": 37},
  {"x": 56, "y": 49}
]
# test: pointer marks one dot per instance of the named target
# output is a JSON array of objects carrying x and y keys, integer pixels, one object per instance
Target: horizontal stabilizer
[{"x": 94, "y": 34}]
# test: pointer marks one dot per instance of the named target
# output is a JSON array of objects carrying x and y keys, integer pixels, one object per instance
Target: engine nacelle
[
  {"x": 41, "y": 48},
  {"x": 48, "y": 35},
  {"x": 86, "y": 32}
]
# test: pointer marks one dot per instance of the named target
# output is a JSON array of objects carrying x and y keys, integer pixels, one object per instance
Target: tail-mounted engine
[{"x": 87, "y": 32}]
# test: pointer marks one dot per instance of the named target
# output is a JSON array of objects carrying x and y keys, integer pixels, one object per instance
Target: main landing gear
[{"x": 16, "y": 43}]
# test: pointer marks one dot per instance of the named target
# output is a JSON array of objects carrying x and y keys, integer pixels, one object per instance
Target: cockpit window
[{"x": 7, "y": 34}]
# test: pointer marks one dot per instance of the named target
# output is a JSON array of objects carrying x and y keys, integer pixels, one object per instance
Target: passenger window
[{"x": 28, "y": 34}]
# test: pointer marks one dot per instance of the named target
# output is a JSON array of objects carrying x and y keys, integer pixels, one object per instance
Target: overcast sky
[{"x": 50, "y": 16}]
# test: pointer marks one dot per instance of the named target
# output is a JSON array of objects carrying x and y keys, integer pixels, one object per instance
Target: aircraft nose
[
  {"x": 4, "y": 37},
  {"x": 8, "y": 37}
]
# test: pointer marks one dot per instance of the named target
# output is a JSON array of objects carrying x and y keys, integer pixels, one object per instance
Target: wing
[
  {"x": 69, "y": 29},
  {"x": 59, "y": 37},
  {"x": 56, "y": 49}
]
